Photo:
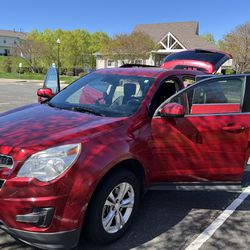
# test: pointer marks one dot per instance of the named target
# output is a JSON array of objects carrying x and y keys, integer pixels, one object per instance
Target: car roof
[{"x": 147, "y": 72}]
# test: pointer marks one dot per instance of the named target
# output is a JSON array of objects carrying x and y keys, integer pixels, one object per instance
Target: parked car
[{"x": 76, "y": 164}]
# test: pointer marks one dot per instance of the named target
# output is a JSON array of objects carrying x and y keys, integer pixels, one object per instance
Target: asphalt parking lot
[{"x": 167, "y": 219}]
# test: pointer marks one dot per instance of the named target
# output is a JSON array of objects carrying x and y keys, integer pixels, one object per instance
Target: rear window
[{"x": 205, "y": 56}]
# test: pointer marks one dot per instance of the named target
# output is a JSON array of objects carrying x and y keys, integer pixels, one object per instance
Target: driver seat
[{"x": 129, "y": 92}]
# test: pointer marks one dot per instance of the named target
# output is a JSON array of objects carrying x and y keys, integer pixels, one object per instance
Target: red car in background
[{"x": 79, "y": 163}]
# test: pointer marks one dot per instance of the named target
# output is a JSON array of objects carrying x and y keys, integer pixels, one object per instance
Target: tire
[{"x": 111, "y": 212}]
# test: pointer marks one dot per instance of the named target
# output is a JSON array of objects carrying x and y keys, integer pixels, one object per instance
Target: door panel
[
  {"x": 199, "y": 148},
  {"x": 203, "y": 147},
  {"x": 215, "y": 108},
  {"x": 175, "y": 150}
]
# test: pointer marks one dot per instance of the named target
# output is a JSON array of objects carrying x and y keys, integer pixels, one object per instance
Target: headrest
[{"x": 129, "y": 89}]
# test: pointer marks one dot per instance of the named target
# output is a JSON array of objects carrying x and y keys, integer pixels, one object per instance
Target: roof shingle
[
  {"x": 11, "y": 33},
  {"x": 186, "y": 32}
]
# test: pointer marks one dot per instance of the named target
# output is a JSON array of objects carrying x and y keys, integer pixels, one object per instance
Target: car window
[
  {"x": 90, "y": 92},
  {"x": 223, "y": 91},
  {"x": 188, "y": 80},
  {"x": 220, "y": 95},
  {"x": 167, "y": 88},
  {"x": 112, "y": 95},
  {"x": 51, "y": 80},
  {"x": 119, "y": 90}
]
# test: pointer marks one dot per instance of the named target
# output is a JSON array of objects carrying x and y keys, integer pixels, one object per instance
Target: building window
[
  {"x": 6, "y": 52},
  {"x": 4, "y": 41},
  {"x": 139, "y": 61},
  {"x": 111, "y": 63},
  {"x": 15, "y": 42}
]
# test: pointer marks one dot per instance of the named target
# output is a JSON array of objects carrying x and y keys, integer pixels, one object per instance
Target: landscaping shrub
[
  {"x": 7, "y": 63},
  {"x": 81, "y": 74},
  {"x": 70, "y": 73}
]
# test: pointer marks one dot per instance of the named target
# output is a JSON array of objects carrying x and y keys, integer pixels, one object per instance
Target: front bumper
[
  {"x": 44, "y": 215},
  {"x": 49, "y": 222},
  {"x": 57, "y": 240}
]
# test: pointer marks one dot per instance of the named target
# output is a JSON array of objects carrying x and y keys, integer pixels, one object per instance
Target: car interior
[
  {"x": 129, "y": 91},
  {"x": 168, "y": 88}
]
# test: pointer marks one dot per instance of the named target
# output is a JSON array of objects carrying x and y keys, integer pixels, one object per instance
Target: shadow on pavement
[
  {"x": 166, "y": 220},
  {"x": 169, "y": 219}
]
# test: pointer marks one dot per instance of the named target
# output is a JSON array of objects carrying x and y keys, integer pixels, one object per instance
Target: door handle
[{"x": 234, "y": 128}]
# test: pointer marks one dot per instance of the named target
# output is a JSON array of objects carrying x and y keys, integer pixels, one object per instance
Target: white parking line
[{"x": 210, "y": 230}]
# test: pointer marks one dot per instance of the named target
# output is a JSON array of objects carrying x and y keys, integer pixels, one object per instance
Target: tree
[
  {"x": 7, "y": 63},
  {"x": 209, "y": 37},
  {"x": 129, "y": 47},
  {"x": 77, "y": 48},
  {"x": 48, "y": 39},
  {"x": 31, "y": 51},
  {"x": 98, "y": 41},
  {"x": 237, "y": 43},
  {"x": 74, "y": 45}
]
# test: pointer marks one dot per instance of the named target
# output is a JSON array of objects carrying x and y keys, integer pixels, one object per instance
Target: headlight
[{"x": 51, "y": 163}]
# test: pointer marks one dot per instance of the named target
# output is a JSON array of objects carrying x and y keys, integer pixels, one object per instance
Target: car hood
[{"x": 39, "y": 126}]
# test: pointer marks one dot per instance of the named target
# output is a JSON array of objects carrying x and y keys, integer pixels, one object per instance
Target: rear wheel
[{"x": 113, "y": 207}]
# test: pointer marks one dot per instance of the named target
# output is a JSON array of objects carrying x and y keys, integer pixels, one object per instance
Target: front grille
[
  {"x": 1, "y": 183},
  {"x": 6, "y": 161}
]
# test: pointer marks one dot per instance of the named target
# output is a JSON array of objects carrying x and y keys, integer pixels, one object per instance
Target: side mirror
[
  {"x": 172, "y": 110},
  {"x": 44, "y": 94}
]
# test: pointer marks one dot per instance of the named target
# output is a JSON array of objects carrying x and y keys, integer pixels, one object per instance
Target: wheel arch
[
  {"x": 132, "y": 165},
  {"x": 129, "y": 164}
]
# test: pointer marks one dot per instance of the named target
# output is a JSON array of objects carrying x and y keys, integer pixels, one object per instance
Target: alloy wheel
[{"x": 118, "y": 207}]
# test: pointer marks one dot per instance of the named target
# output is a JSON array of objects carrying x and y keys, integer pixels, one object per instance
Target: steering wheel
[{"x": 134, "y": 102}]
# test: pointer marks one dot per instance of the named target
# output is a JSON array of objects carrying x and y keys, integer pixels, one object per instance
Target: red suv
[{"x": 77, "y": 163}]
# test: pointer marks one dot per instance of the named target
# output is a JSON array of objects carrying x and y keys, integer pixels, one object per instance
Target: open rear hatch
[{"x": 207, "y": 61}]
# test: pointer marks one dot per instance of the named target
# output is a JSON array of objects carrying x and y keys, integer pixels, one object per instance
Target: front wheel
[{"x": 113, "y": 207}]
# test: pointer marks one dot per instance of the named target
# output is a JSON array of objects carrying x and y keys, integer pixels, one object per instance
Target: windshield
[{"x": 111, "y": 95}]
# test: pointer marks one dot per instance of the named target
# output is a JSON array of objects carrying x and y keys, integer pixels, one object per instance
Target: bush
[
  {"x": 77, "y": 71},
  {"x": 20, "y": 70},
  {"x": 40, "y": 70},
  {"x": 7, "y": 63},
  {"x": 70, "y": 73},
  {"x": 44, "y": 71},
  {"x": 82, "y": 74},
  {"x": 23, "y": 70},
  {"x": 63, "y": 71},
  {"x": 230, "y": 71}
]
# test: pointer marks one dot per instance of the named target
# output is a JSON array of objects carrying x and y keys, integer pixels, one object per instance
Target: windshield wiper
[
  {"x": 85, "y": 109},
  {"x": 51, "y": 105}
]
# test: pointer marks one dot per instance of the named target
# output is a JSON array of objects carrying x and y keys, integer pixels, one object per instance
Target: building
[
  {"x": 171, "y": 37},
  {"x": 8, "y": 40}
]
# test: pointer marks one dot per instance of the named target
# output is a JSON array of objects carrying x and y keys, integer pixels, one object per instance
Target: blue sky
[{"x": 120, "y": 16}]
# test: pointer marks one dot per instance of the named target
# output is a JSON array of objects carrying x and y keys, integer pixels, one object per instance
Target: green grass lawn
[
  {"x": 34, "y": 76},
  {"x": 27, "y": 75}
]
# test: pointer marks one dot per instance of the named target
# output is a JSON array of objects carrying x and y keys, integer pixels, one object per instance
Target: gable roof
[
  {"x": 11, "y": 33},
  {"x": 186, "y": 32}
]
